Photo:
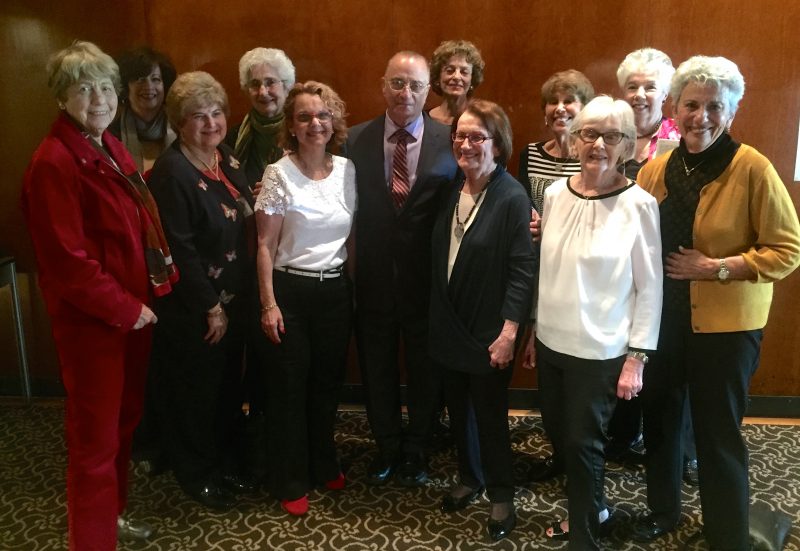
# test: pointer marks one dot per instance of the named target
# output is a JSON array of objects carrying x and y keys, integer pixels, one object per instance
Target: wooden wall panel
[{"x": 346, "y": 43}]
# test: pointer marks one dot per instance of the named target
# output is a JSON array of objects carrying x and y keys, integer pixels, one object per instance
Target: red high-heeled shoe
[{"x": 296, "y": 507}]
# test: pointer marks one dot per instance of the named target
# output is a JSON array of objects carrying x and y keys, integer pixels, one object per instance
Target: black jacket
[{"x": 493, "y": 277}]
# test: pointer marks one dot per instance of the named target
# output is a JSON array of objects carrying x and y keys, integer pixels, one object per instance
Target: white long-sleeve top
[{"x": 600, "y": 273}]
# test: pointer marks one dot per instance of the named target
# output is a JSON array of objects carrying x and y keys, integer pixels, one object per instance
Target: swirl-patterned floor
[{"x": 361, "y": 517}]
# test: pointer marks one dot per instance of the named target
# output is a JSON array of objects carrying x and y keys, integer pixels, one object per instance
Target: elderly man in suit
[{"x": 404, "y": 166}]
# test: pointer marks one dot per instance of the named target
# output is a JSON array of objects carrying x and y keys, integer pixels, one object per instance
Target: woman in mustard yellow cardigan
[{"x": 728, "y": 230}]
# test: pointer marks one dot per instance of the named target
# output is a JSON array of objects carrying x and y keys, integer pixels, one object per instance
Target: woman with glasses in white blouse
[
  {"x": 304, "y": 214},
  {"x": 599, "y": 308}
]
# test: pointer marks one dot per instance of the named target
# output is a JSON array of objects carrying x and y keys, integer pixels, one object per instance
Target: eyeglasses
[
  {"x": 322, "y": 116},
  {"x": 267, "y": 83},
  {"x": 590, "y": 136},
  {"x": 475, "y": 139},
  {"x": 398, "y": 85}
]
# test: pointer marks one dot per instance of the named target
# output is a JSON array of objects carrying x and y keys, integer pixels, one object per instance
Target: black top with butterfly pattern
[{"x": 206, "y": 227}]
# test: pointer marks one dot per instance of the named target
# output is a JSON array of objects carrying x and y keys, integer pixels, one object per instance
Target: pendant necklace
[
  {"x": 688, "y": 170},
  {"x": 459, "y": 230},
  {"x": 213, "y": 169}
]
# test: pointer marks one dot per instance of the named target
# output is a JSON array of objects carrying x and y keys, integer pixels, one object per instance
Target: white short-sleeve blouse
[{"x": 317, "y": 214}]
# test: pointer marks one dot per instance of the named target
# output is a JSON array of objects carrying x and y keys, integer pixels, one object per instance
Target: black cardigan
[{"x": 493, "y": 277}]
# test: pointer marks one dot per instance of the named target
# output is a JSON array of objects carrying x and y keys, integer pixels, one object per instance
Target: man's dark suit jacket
[{"x": 393, "y": 248}]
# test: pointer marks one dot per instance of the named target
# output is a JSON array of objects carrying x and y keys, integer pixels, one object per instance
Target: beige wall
[{"x": 346, "y": 44}]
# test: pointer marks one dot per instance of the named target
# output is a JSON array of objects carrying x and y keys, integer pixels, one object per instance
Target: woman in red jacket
[{"x": 101, "y": 256}]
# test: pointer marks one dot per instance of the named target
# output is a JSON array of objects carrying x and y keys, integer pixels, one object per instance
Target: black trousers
[
  {"x": 202, "y": 386},
  {"x": 486, "y": 395},
  {"x": 714, "y": 369},
  {"x": 379, "y": 334},
  {"x": 577, "y": 399},
  {"x": 304, "y": 376}
]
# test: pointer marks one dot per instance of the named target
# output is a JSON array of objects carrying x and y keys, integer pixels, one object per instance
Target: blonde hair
[
  {"x": 190, "y": 91},
  {"x": 80, "y": 60}
]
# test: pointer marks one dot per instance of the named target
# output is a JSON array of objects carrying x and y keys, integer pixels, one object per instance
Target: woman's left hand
[
  {"x": 217, "y": 326},
  {"x": 690, "y": 264},
  {"x": 501, "y": 351},
  {"x": 630, "y": 382}
]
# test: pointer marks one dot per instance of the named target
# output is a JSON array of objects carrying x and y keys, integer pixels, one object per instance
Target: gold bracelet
[{"x": 268, "y": 307}]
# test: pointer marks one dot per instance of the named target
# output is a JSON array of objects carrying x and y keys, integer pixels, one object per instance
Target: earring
[
  {"x": 61, "y": 105},
  {"x": 545, "y": 122}
]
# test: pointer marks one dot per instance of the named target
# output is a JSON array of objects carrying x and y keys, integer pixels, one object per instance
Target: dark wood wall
[{"x": 346, "y": 43}]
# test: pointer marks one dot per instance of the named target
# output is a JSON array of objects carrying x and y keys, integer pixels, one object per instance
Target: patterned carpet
[{"x": 361, "y": 517}]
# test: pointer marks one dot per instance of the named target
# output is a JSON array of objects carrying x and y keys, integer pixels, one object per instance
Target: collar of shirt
[{"x": 413, "y": 148}]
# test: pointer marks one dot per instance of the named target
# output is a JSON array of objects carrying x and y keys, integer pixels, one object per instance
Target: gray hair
[
  {"x": 78, "y": 61},
  {"x": 273, "y": 57},
  {"x": 718, "y": 72},
  {"x": 646, "y": 60},
  {"x": 605, "y": 107}
]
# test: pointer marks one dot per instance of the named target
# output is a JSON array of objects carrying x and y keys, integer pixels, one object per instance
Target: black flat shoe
[
  {"x": 452, "y": 504},
  {"x": 379, "y": 471},
  {"x": 646, "y": 529},
  {"x": 412, "y": 473},
  {"x": 499, "y": 529},
  {"x": 691, "y": 476},
  {"x": 545, "y": 469}
]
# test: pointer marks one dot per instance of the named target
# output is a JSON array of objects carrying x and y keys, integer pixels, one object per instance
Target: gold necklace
[
  {"x": 688, "y": 170},
  {"x": 213, "y": 169}
]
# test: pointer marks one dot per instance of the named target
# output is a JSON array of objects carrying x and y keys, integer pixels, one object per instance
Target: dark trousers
[
  {"x": 715, "y": 369},
  {"x": 379, "y": 334},
  {"x": 203, "y": 386},
  {"x": 487, "y": 395},
  {"x": 104, "y": 371},
  {"x": 304, "y": 376},
  {"x": 577, "y": 399}
]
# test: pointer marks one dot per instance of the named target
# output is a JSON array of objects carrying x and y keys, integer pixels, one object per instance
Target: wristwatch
[
  {"x": 641, "y": 356},
  {"x": 723, "y": 273}
]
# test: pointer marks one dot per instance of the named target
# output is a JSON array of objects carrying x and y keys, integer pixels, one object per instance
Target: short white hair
[
  {"x": 718, "y": 72},
  {"x": 273, "y": 57},
  {"x": 605, "y": 107},
  {"x": 646, "y": 60}
]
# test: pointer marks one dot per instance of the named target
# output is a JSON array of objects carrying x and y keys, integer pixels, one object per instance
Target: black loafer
[
  {"x": 452, "y": 504},
  {"x": 690, "y": 473},
  {"x": 213, "y": 497},
  {"x": 499, "y": 529},
  {"x": 646, "y": 529},
  {"x": 379, "y": 471},
  {"x": 545, "y": 469},
  {"x": 236, "y": 484},
  {"x": 412, "y": 473}
]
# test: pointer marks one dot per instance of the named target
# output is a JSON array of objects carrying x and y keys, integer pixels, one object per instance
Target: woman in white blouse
[
  {"x": 598, "y": 310},
  {"x": 304, "y": 214}
]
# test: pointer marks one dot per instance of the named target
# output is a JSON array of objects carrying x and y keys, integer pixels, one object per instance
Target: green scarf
[{"x": 258, "y": 139}]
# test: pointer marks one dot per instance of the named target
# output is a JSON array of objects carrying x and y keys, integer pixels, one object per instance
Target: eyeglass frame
[
  {"x": 321, "y": 116},
  {"x": 603, "y": 135},
  {"x": 406, "y": 84},
  {"x": 251, "y": 85},
  {"x": 468, "y": 137}
]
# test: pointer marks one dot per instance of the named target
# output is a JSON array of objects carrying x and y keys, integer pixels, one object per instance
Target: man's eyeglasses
[
  {"x": 267, "y": 83},
  {"x": 398, "y": 85},
  {"x": 322, "y": 116},
  {"x": 590, "y": 136},
  {"x": 476, "y": 139}
]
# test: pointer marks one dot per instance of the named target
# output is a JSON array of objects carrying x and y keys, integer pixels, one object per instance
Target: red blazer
[{"x": 85, "y": 229}]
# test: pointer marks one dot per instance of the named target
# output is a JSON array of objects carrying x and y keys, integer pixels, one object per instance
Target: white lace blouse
[{"x": 317, "y": 214}]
